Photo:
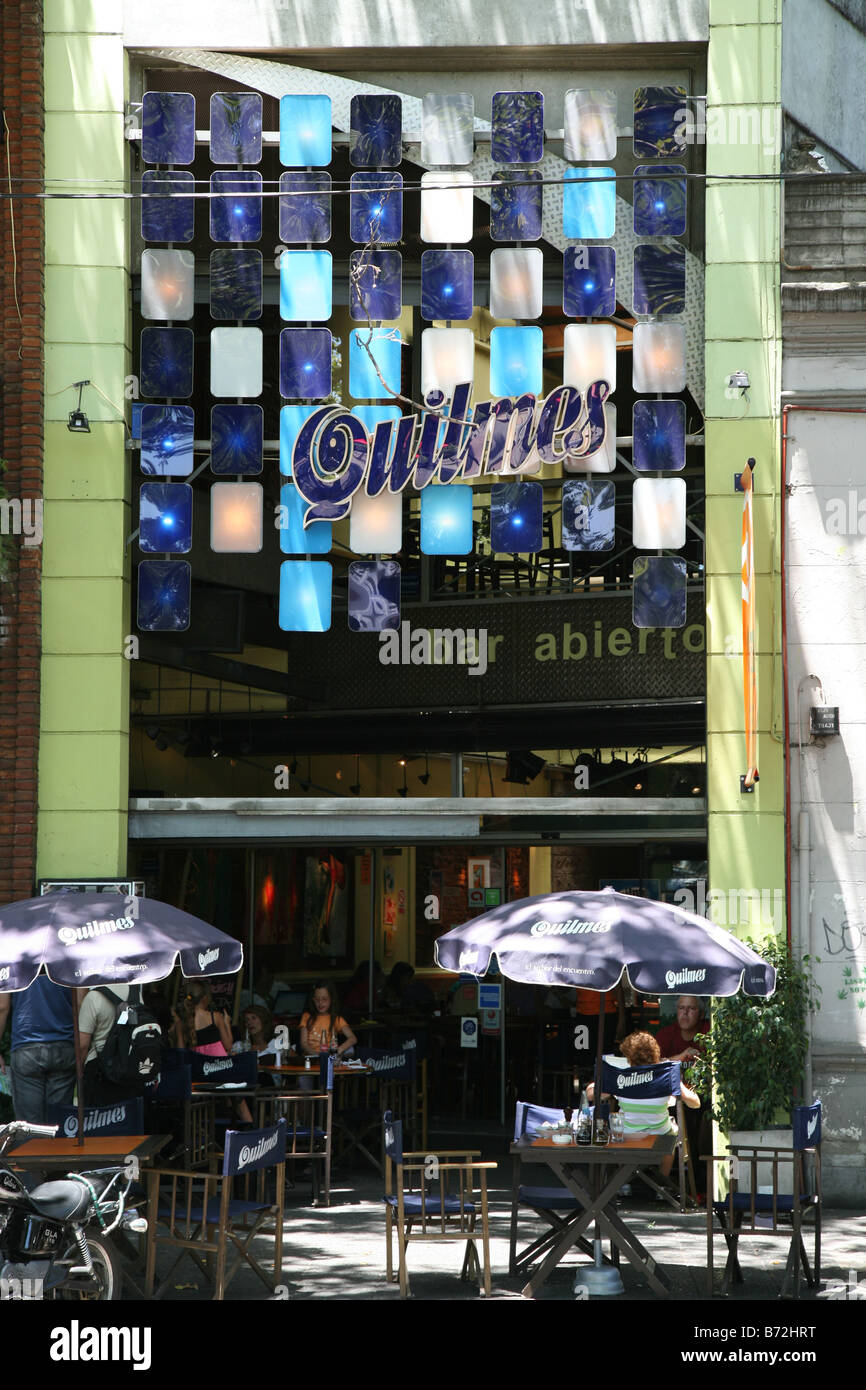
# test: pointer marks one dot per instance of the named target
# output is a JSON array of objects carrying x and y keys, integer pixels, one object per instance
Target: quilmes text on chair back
[
  {"x": 807, "y": 1125},
  {"x": 653, "y": 1082},
  {"x": 242, "y": 1067},
  {"x": 118, "y": 1117},
  {"x": 528, "y": 1118},
  {"x": 247, "y": 1151}
]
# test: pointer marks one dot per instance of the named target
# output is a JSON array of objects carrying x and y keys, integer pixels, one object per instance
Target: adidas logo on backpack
[{"x": 131, "y": 1053}]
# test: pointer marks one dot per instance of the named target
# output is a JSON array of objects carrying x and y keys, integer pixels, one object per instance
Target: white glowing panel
[
  {"x": 167, "y": 284},
  {"x": 446, "y": 207},
  {"x": 376, "y": 524},
  {"x": 659, "y": 513},
  {"x": 447, "y": 358},
  {"x": 604, "y": 459},
  {"x": 590, "y": 124},
  {"x": 236, "y": 362},
  {"x": 516, "y": 281},
  {"x": 589, "y": 354},
  {"x": 236, "y": 518},
  {"x": 659, "y": 357}
]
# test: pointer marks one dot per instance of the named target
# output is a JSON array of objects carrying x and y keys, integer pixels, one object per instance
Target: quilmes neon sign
[{"x": 334, "y": 455}]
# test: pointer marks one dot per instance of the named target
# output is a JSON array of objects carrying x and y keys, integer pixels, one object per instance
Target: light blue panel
[
  {"x": 294, "y": 540},
  {"x": 589, "y": 209},
  {"x": 373, "y": 415},
  {"x": 305, "y": 131},
  {"x": 305, "y": 596},
  {"x": 446, "y": 519},
  {"x": 516, "y": 361},
  {"x": 292, "y": 418},
  {"x": 364, "y": 383},
  {"x": 305, "y": 286}
]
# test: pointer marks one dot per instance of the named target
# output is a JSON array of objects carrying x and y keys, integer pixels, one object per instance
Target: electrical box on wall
[{"x": 823, "y": 720}]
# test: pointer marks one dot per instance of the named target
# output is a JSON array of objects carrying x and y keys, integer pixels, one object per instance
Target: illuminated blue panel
[
  {"x": 294, "y": 540},
  {"x": 515, "y": 206},
  {"x": 373, "y": 415},
  {"x": 305, "y": 596},
  {"x": 292, "y": 418},
  {"x": 375, "y": 285},
  {"x": 446, "y": 520},
  {"x": 166, "y": 362},
  {"x": 374, "y": 595},
  {"x": 517, "y": 135},
  {"x": 589, "y": 203},
  {"x": 236, "y": 213},
  {"x": 305, "y": 207},
  {"x": 659, "y": 280},
  {"x": 135, "y": 425},
  {"x": 589, "y": 282},
  {"x": 588, "y": 513},
  {"x": 659, "y": 593},
  {"x": 305, "y": 363},
  {"x": 305, "y": 286},
  {"x": 165, "y": 518},
  {"x": 168, "y": 128},
  {"x": 659, "y": 202},
  {"x": 235, "y": 128},
  {"x": 516, "y": 517},
  {"x": 305, "y": 130},
  {"x": 236, "y": 439},
  {"x": 164, "y": 595},
  {"x": 167, "y": 434},
  {"x": 660, "y": 117},
  {"x": 167, "y": 212},
  {"x": 447, "y": 285},
  {"x": 384, "y": 345},
  {"x": 376, "y": 126},
  {"x": 659, "y": 430},
  {"x": 376, "y": 207},
  {"x": 235, "y": 284},
  {"x": 516, "y": 361}
]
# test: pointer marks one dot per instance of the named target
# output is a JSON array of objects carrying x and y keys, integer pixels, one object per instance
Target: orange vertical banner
[{"x": 750, "y": 679}]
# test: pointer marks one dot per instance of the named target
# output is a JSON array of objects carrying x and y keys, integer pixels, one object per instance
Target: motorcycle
[{"x": 53, "y": 1235}]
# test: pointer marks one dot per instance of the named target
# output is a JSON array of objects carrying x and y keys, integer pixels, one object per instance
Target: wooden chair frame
[
  {"x": 737, "y": 1219},
  {"x": 305, "y": 1113},
  {"x": 433, "y": 1177},
  {"x": 188, "y": 1196}
]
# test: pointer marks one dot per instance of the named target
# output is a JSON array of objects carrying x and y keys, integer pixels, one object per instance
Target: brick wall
[{"x": 21, "y": 391}]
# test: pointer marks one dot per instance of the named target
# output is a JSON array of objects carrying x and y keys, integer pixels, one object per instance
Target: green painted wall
[
  {"x": 83, "y": 755},
  {"x": 743, "y": 330}
]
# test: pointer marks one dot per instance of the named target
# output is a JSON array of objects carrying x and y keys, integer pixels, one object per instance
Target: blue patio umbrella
[{"x": 83, "y": 939}]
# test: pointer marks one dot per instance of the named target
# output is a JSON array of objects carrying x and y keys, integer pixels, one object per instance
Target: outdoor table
[
  {"x": 594, "y": 1174},
  {"x": 354, "y": 1138}
]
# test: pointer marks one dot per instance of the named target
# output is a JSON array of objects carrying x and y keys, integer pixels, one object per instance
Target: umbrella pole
[{"x": 79, "y": 1067}]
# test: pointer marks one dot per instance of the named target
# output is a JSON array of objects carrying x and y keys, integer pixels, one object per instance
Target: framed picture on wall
[{"x": 477, "y": 874}]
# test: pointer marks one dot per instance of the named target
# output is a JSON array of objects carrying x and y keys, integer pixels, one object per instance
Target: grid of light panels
[{"x": 375, "y": 300}]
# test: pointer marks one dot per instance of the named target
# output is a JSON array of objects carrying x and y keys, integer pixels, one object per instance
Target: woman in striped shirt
[{"x": 648, "y": 1115}]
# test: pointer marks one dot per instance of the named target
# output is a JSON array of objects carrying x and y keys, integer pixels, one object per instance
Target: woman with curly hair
[
  {"x": 647, "y": 1115},
  {"x": 198, "y": 1026}
]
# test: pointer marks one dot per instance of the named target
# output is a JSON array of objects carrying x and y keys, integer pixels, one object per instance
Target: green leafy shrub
[{"x": 756, "y": 1049}]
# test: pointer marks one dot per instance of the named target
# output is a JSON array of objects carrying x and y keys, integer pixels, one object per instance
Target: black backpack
[{"x": 131, "y": 1053}]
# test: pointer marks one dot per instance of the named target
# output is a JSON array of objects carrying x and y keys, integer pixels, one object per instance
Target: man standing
[
  {"x": 42, "y": 1053},
  {"x": 95, "y": 1022}
]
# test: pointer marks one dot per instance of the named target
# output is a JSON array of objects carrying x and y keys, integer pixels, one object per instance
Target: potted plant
[{"x": 755, "y": 1052}]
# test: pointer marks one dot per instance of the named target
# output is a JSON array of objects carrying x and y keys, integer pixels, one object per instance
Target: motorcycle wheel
[{"x": 104, "y": 1285}]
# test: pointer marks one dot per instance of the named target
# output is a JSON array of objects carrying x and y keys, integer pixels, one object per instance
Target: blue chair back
[
  {"x": 248, "y": 1150},
  {"x": 242, "y": 1066},
  {"x": 326, "y": 1072},
  {"x": 175, "y": 1085},
  {"x": 807, "y": 1125},
  {"x": 528, "y": 1117},
  {"x": 173, "y": 1057},
  {"x": 417, "y": 1043},
  {"x": 393, "y": 1137},
  {"x": 644, "y": 1083},
  {"x": 119, "y": 1117},
  {"x": 393, "y": 1066}
]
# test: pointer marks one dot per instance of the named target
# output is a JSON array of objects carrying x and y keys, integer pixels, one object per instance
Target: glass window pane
[
  {"x": 659, "y": 200},
  {"x": 164, "y": 588},
  {"x": 447, "y": 284},
  {"x": 376, "y": 207},
  {"x": 305, "y": 363},
  {"x": 294, "y": 539},
  {"x": 383, "y": 345},
  {"x": 589, "y": 282},
  {"x": 518, "y": 128},
  {"x": 305, "y": 596},
  {"x": 375, "y": 132},
  {"x": 235, "y": 284},
  {"x": 374, "y": 595},
  {"x": 236, "y": 211},
  {"x": 165, "y": 518},
  {"x": 236, "y": 439},
  {"x": 305, "y": 286},
  {"x": 660, "y": 116},
  {"x": 236, "y": 128},
  {"x": 168, "y": 128},
  {"x": 516, "y": 282},
  {"x": 516, "y": 361},
  {"x": 236, "y": 361},
  {"x": 166, "y": 362},
  {"x": 659, "y": 280},
  {"x": 516, "y": 206},
  {"x": 588, "y": 514},
  {"x": 167, "y": 210},
  {"x": 659, "y": 593},
  {"x": 167, "y": 435},
  {"x": 375, "y": 285},
  {"x": 167, "y": 284},
  {"x": 305, "y": 207},
  {"x": 589, "y": 203},
  {"x": 659, "y": 433},
  {"x": 447, "y": 127},
  {"x": 446, "y": 520},
  {"x": 305, "y": 130},
  {"x": 516, "y": 517},
  {"x": 590, "y": 124}
]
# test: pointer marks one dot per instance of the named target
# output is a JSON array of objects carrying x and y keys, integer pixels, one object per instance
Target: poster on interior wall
[
  {"x": 277, "y": 899},
  {"x": 326, "y": 915}
]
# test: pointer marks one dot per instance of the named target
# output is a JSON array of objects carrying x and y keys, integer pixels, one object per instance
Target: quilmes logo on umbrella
[
  {"x": 675, "y": 978},
  {"x": 572, "y": 927},
  {"x": 69, "y": 935},
  {"x": 206, "y": 958}
]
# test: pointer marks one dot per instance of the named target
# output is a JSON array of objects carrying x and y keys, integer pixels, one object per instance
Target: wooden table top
[{"x": 97, "y": 1148}]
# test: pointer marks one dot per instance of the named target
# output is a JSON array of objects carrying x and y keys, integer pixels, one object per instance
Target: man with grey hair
[{"x": 680, "y": 1041}]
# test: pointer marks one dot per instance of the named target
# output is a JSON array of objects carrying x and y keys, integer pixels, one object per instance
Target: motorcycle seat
[{"x": 66, "y": 1199}]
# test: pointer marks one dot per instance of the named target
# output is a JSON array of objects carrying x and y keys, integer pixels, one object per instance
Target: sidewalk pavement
[{"x": 339, "y": 1252}]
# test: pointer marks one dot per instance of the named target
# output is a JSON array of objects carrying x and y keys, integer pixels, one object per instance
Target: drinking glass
[{"x": 617, "y": 1129}]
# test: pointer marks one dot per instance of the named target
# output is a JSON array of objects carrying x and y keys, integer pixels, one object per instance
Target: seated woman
[
  {"x": 322, "y": 1025},
  {"x": 202, "y": 1028},
  {"x": 259, "y": 1028},
  {"x": 647, "y": 1115}
]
